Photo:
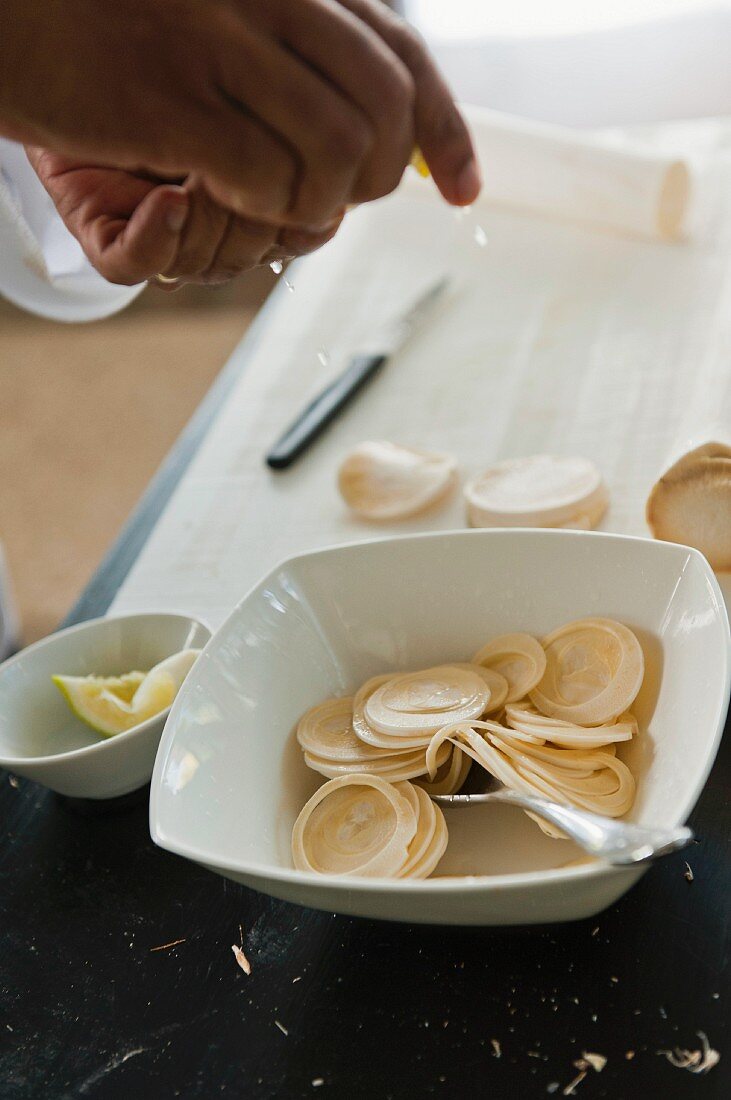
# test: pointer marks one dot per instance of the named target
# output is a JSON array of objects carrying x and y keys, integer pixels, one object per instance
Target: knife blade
[{"x": 364, "y": 365}]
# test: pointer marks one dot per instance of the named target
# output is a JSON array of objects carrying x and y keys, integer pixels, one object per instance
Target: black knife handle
[{"x": 313, "y": 420}]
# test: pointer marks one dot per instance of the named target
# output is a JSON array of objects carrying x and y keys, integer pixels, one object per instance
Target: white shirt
[{"x": 42, "y": 266}]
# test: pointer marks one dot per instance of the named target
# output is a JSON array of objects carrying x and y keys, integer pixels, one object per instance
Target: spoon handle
[{"x": 617, "y": 842}]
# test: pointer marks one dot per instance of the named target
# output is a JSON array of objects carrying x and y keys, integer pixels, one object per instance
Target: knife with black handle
[
  {"x": 364, "y": 366},
  {"x": 315, "y": 418}
]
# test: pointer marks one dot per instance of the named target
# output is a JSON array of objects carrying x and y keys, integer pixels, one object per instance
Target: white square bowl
[{"x": 229, "y": 778}]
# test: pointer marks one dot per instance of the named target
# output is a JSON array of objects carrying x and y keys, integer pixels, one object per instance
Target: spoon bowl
[{"x": 617, "y": 842}]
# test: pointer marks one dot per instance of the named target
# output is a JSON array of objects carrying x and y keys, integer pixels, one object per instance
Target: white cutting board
[{"x": 554, "y": 338}]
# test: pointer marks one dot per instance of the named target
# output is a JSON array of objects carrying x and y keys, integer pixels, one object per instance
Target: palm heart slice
[
  {"x": 382, "y": 481},
  {"x": 691, "y": 503},
  {"x": 519, "y": 658},
  {"x": 592, "y": 779},
  {"x": 497, "y": 685},
  {"x": 430, "y": 841},
  {"x": 394, "y": 768},
  {"x": 423, "y": 702},
  {"x": 326, "y": 731},
  {"x": 524, "y": 719},
  {"x": 437, "y": 847},
  {"x": 354, "y": 825},
  {"x": 537, "y": 491},
  {"x": 449, "y": 777},
  {"x": 594, "y": 670},
  {"x": 599, "y": 782},
  {"x": 426, "y": 819},
  {"x": 372, "y": 737}
]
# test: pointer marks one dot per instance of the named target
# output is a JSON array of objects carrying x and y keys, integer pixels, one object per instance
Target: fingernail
[
  {"x": 469, "y": 182},
  {"x": 175, "y": 217}
]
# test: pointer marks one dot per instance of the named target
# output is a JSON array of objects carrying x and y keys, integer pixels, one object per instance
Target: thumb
[{"x": 148, "y": 243}]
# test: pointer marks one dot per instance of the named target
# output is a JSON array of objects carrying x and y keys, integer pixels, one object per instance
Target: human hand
[
  {"x": 133, "y": 226},
  {"x": 285, "y": 111}
]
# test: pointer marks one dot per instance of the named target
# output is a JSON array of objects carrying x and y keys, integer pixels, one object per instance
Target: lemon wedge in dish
[{"x": 113, "y": 704}]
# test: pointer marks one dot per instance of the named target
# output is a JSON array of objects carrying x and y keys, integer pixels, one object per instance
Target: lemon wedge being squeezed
[
  {"x": 417, "y": 161},
  {"x": 113, "y": 704}
]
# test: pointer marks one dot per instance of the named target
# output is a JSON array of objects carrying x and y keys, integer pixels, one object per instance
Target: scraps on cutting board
[
  {"x": 538, "y": 491},
  {"x": 691, "y": 503},
  {"x": 380, "y": 480},
  {"x": 385, "y": 481}
]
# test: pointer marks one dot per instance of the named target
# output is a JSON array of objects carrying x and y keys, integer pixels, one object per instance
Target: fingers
[
  {"x": 245, "y": 166},
  {"x": 317, "y": 85},
  {"x": 441, "y": 132},
  {"x": 133, "y": 227},
  {"x": 234, "y": 246},
  {"x": 328, "y": 134},
  {"x": 216, "y": 246},
  {"x": 128, "y": 225},
  {"x": 200, "y": 239},
  {"x": 355, "y": 59},
  {"x": 132, "y": 251},
  {"x": 300, "y": 242}
]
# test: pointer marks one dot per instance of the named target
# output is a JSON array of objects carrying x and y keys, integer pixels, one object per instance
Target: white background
[
  {"x": 461, "y": 18},
  {"x": 584, "y": 62}
]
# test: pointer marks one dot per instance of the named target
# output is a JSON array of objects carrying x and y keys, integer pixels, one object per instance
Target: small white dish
[
  {"x": 42, "y": 740},
  {"x": 229, "y": 778}
]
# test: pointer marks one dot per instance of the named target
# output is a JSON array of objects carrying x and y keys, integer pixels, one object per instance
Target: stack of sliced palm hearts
[
  {"x": 363, "y": 825},
  {"x": 543, "y": 717}
]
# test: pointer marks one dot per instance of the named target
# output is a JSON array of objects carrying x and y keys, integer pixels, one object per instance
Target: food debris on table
[
  {"x": 241, "y": 959},
  {"x": 695, "y": 1061},
  {"x": 596, "y": 1061},
  {"x": 14, "y": 782},
  {"x": 629, "y": 1055},
  {"x": 588, "y": 1061},
  {"x": 688, "y": 873},
  {"x": 496, "y": 1049},
  {"x": 317, "y": 1081},
  {"x": 239, "y": 954},
  {"x": 570, "y": 1089},
  {"x": 165, "y": 946},
  {"x": 281, "y": 1027}
]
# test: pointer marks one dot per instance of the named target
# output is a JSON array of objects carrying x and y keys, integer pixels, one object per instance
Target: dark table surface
[{"x": 94, "y": 1004}]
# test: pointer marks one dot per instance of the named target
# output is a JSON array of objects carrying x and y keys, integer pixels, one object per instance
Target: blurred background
[{"x": 88, "y": 412}]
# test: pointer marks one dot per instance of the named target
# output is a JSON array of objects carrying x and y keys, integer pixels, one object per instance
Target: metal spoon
[{"x": 617, "y": 842}]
